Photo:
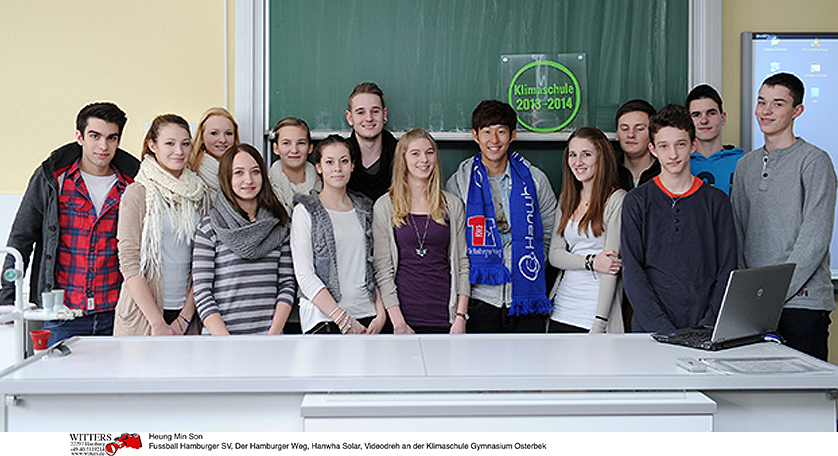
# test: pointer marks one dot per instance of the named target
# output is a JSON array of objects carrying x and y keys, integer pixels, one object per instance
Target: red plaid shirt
[{"x": 88, "y": 265}]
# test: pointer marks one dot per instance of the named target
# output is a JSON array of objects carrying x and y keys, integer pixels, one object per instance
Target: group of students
[
  {"x": 364, "y": 239},
  {"x": 681, "y": 235}
]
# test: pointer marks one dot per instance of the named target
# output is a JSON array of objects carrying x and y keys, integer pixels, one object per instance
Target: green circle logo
[{"x": 541, "y": 107}]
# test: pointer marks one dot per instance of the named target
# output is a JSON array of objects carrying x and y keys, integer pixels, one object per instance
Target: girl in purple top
[{"x": 420, "y": 257}]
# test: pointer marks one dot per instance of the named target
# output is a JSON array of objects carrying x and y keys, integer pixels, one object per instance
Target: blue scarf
[{"x": 485, "y": 248}]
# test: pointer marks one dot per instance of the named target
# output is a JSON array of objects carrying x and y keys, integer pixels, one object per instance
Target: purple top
[{"x": 423, "y": 282}]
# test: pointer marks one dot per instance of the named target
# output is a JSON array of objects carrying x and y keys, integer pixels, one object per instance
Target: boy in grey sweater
[{"x": 783, "y": 204}]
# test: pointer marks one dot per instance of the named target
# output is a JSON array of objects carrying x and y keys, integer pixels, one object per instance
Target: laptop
[{"x": 751, "y": 308}]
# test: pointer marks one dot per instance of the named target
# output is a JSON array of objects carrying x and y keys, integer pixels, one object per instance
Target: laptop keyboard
[
  {"x": 692, "y": 337},
  {"x": 698, "y": 337}
]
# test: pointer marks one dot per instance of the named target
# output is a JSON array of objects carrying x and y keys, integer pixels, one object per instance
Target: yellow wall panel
[{"x": 147, "y": 56}]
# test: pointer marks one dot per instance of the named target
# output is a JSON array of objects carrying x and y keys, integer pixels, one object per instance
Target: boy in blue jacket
[{"x": 711, "y": 162}]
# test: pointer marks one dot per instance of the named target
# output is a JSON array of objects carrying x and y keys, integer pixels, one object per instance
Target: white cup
[
  {"x": 59, "y": 300},
  {"x": 48, "y": 301}
]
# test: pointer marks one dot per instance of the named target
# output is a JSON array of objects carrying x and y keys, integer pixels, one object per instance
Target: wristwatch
[{"x": 464, "y": 315}]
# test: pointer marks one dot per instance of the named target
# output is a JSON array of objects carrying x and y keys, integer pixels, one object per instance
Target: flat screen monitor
[{"x": 813, "y": 57}]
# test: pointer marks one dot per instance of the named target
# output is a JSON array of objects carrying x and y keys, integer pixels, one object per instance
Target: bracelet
[
  {"x": 340, "y": 320},
  {"x": 345, "y": 324},
  {"x": 347, "y": 329},
  {"x": 343, "y": 320},
  {"x": 340, "y": 316},
  {"x": 186, "y": 321},
  {"x": 599, "y": 317},
  {"x": 589, "y": 262}
]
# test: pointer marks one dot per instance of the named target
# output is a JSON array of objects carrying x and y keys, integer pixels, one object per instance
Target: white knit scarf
[
  {"x": 285, "y": 189},
  {"x": 181, "y": 198},
  {"x": 208, "y": 172}
]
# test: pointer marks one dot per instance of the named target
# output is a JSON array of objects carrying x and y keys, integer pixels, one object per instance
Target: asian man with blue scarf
[{"x": 510, "y": 212}]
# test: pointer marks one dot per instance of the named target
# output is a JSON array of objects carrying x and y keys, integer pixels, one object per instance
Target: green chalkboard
[{"x": 435, "y": 60}]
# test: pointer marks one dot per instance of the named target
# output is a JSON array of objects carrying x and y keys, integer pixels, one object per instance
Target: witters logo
[
  {"x": 124, "y": 441},
  {"x": 89, "y": 443}
]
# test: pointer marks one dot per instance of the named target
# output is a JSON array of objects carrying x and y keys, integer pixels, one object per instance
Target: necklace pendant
[{"x": 421, "y": 252}]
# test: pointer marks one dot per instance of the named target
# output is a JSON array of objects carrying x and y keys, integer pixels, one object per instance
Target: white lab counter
[
  {"x": 7, "y": 346},
  {"x": 428, "y": 383}
]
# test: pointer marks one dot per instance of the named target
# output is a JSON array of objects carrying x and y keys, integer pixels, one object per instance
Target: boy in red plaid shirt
[{"x": 69, "y": 214}]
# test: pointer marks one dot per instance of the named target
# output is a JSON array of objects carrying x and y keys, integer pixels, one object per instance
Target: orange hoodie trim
[{"x": 694, "y": 188}]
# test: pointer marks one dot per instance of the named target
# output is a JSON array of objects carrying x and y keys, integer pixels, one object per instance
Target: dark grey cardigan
[{"x": 323, "y": 241}]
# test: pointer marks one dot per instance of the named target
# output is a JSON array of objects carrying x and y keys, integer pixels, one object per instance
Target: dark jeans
[
  {"x": 559, "y": 327},
  {"x": 430, "y": 329},
  {"x": 96, "y": 324},
  {"x": 330, "y": 327},
  {"x": 170, "y": 315},
  {"x": 292, "y": 326},
  {"x": 486, "y": 318},
  {"x": 806, "y": 330}
]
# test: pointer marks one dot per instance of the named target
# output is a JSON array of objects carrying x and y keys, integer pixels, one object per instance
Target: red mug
[{"x": 40, "y": 338}]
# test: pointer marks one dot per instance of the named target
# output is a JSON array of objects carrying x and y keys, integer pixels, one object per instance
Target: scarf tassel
[
  {"x": 491, "y": 275},
  {"x": 531, "y": 306}
]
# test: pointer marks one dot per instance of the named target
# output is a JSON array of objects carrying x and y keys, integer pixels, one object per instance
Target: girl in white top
[
  {"x": 292, "y": 174},
  {"x": 586, "y": 244},
  {"x": 217, "y": 131},
  {"x": 157, "y": 222},
  {"x": 331, "y": 243}
]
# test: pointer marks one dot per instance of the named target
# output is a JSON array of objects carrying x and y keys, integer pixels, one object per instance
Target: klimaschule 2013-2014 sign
[{"x": 546, "y": 95}]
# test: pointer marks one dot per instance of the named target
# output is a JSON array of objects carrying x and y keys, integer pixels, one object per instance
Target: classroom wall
[
  {"x": 147, "y": 56},
  {"x": 151, "y": 56},
  {"x": 160, "y": 55},
  {"x": 763, "y": 16}
]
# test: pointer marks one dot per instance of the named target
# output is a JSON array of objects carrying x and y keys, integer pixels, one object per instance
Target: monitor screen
[{"x": 813, "y": 57}]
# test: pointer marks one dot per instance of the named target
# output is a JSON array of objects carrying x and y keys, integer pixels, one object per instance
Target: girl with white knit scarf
[
  {"x": 158, "y": 216},
  {"x": 217, "y": 131},
  {"x": 293, "y": 174}
]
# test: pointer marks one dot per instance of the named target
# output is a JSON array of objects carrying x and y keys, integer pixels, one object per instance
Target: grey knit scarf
[{"x": 250, "y": 240}]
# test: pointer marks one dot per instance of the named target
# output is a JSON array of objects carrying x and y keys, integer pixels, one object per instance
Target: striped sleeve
[
  {"x": 203, "y": 269},
  {"x": 287, "y": 284},
  {"x": 246, "y": 290}
]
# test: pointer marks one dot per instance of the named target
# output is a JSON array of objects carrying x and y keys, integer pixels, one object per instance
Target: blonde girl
[
  {"x": 419, "y": 235},
  {"x": 216, "y": 132}
]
